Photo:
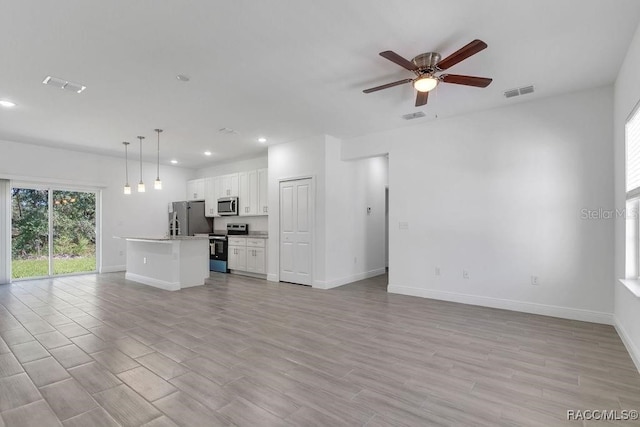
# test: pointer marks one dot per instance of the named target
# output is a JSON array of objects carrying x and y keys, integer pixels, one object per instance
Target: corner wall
[
  {"x": 348, "y": 242},
  {"x": 500, "y": 194},
  {"x": 626, "y": 96}
]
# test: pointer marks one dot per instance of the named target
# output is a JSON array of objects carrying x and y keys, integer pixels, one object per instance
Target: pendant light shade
[
  {"x": 157, "y": 184},
  {"x": 127, "y": 187},
  {"x": 141, "y": 188}
]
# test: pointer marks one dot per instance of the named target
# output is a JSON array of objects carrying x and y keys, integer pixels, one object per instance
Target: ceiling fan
[{"x": 426, "y": 65}]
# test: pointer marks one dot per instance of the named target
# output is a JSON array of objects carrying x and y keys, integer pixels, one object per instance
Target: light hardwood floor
[{"x": 97, "y": 350}]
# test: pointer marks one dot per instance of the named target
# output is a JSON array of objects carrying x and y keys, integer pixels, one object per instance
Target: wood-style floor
[{"x": 96, "y": 350}]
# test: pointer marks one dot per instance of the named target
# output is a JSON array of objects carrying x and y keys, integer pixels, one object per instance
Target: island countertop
[{"x": 162, "y": 238}]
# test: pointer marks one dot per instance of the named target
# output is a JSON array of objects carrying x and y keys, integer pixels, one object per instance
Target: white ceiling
[{"x": 282, "y": 69}]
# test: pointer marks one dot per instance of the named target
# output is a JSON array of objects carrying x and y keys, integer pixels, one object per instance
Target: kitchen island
[{"x": 169, "y": 263}]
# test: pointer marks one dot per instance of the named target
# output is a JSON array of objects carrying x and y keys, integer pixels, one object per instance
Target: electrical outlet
[
  {"x": 121, "y": 253},
  {"x": 534, "y": 280},
  {"x": 144, "y": 260},
  {"x": 465, "y": 274},
  {"x": 437, "y": 271}
]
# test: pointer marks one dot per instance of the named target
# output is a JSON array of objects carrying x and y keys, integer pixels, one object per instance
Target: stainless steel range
[{"x": 219, "y": 246}]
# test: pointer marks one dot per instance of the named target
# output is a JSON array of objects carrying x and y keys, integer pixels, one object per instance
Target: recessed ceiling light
[
  {"x": 262, "y": 139},
  {"x": 207, "y": 153},
  {"x": 174, "y": 161},
  {"x": 7, "y": 104},
  {"x": 183, "y": 78}
]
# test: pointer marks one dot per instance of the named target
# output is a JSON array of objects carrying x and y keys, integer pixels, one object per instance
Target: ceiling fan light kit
[
  {"x": 425, "y": 84},
  {"x": 426, "y": 66}
]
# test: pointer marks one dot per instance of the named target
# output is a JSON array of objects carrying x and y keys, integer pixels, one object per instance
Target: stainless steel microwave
[{"x": 228, "y": 206}]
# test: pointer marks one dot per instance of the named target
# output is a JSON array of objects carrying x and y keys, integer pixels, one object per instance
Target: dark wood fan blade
[
  {"x": 462, "y": 54},
  {"x": 394, "y": 57},
  {"x": 388, "y": 85},
  {"x": 422, "y": 98},
  {"x": 466, "y": 80}
]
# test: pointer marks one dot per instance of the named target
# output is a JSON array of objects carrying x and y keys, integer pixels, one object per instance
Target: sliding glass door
[
  {"x": 29, "y": 233},
  {"x": 53, "y": 232},
  {"x": 74, "y": 232}
]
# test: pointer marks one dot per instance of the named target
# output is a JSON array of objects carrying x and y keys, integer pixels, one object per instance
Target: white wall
[
  {"x": 348, "y": 243},
  {"x": 232, "y": 167},
  {"x": 298, "y": 159},
  {"x": 355, "y": 246},
  {"x": 135, "y": 215},
  {"x": 256, "y": 223},
  {"x": 627, "y": 95},
  {"x": 499, "y": 194}
]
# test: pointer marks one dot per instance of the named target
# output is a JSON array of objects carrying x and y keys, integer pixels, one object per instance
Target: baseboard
[
  {"x": 505, "y": 304},
  {"x": 634, "y": 351},
  {"x": 113, "y": 269},
  {"x": 272, "y": 277},
  {"x": 162, "y": 284},
  {"x": 321, "y": 284},
  {"x": 248, "y": 274}
]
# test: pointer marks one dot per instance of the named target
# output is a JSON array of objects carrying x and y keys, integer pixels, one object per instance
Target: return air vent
[
  {"x": 519, "y": 91},
  {"x": 412, "y": 116},
  {"x": 63, "y": 84}
]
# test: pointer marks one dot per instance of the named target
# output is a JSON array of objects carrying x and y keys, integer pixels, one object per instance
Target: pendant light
[
  {"x": 127, "y": 187},
  {"x": 157, "y": 183},
  {"x": 141, "y": 188}
]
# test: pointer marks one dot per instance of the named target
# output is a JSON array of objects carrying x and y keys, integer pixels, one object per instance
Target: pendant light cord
[
  {"x": 158, "y": 170},
  {"x": 126, "y": 161},
  {"x": 141, "y": 138}
]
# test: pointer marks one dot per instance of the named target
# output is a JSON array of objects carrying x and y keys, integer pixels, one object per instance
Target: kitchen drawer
[
  {"x": 255, "y": 243},
  {"x": 237, "y": 241}
]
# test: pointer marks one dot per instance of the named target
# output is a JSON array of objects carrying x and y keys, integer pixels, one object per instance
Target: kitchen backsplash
[{"x": 256, "y": 223}]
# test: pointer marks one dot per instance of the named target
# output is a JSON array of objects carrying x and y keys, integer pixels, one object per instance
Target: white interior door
[{"x": 296, "y": 237}]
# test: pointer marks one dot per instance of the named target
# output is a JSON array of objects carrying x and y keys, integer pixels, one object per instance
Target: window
[{"x": 632, "y": 227}]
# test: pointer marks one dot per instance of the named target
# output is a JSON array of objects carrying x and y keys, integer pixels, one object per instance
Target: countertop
[
  {"x": 252, "y": 234},
  {"x": 163, "y": 238}
]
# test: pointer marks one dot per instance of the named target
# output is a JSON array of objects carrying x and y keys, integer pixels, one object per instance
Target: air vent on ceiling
[
  {"x": 519, "y": 91},
  {"x": 63, "y": 84},
  {"x": 227, "y": 131},
  {"x": 412, "y": 116}
]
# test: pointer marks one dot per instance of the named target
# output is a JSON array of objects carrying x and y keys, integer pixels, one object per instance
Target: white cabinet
[
  {"x": 228, "y": 185},
  {"x": 247, "y": 254},
  {"x": 237, "y": 258},
  {"x": 256, "y": 256},
  {"x": 248, "y": 193},
  {"x": 252, "y": 195},
  {"x": 263, "y": 193},
  {"x": 210, "y": 197},
  {"x": 249, "y": 187},
  {"x": 195, "y": 189}
]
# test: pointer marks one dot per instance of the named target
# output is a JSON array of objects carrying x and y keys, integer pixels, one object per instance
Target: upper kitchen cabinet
[
  {"x": 228, "y": 185},
  {"x": 211, "y": 192},
  {"x": 248, "y": 193},
  {"x": 263, "y": 193},
  {"x": 195, "y": 189},
  {"x": 252, "y": 196}
]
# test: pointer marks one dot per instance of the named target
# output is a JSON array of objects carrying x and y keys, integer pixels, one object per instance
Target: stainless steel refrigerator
[{"x": 187, "y": 219}]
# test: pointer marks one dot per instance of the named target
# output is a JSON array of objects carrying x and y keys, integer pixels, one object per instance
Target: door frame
[{"x": 312, "y": 218}]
